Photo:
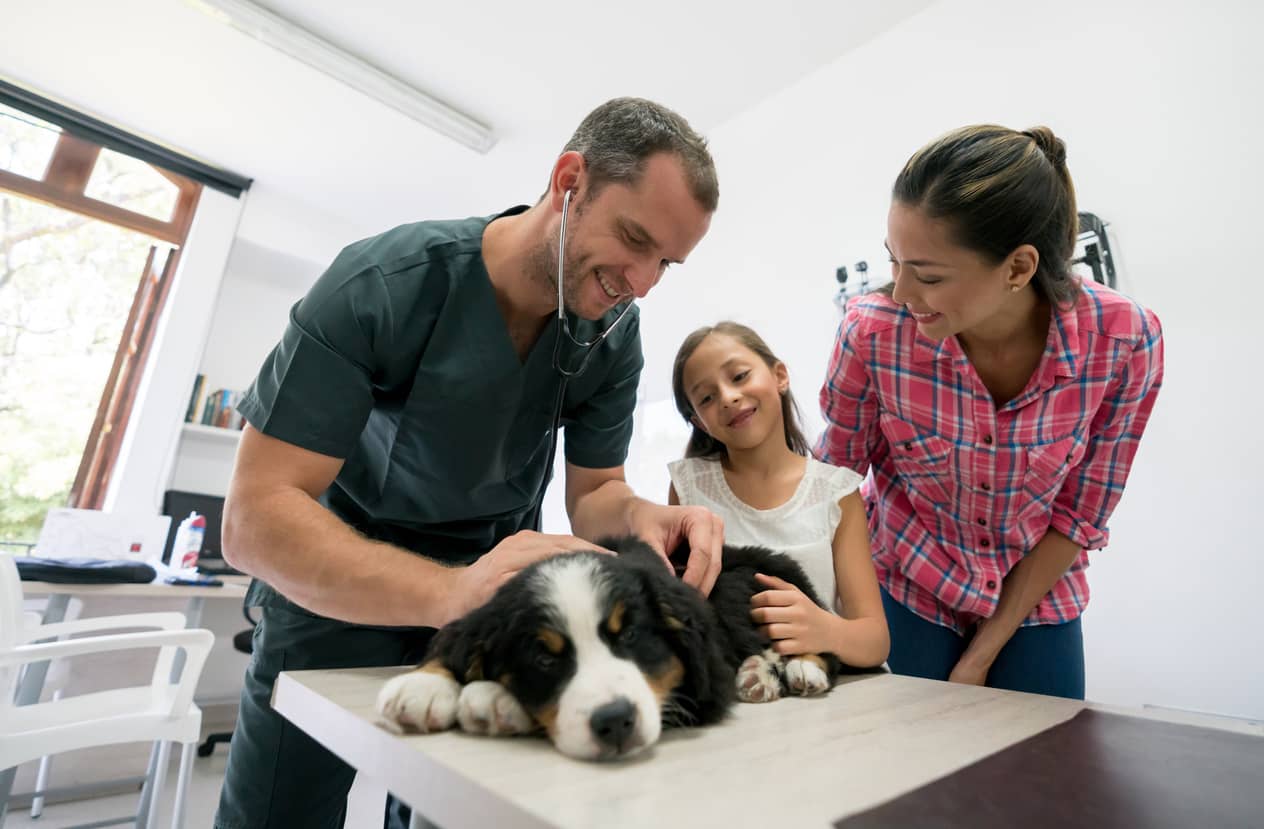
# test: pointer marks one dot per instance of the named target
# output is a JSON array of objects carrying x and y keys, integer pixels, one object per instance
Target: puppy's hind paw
[
  {"x": 419, "y": 700},
  {"x": 487, "y": 708},
  {"x": 757, "y": 679},
  {"x": 806, "y": 676}
]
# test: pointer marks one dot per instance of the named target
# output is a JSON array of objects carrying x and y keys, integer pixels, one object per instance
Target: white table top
[
  {"x": 234, "y": 587},
  {"x": 795, "y": 762}
]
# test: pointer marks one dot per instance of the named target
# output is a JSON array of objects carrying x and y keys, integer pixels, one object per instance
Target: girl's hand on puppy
[{"x": 793, "y": 622}]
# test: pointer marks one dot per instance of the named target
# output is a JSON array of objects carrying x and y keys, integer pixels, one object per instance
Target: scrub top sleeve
[
  {"x": 598, "y": 435},
  {"x": 315, "y": 388}
]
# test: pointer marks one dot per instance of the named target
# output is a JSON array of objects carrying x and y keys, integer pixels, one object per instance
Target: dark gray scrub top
[{"x": 399, "y": 361}]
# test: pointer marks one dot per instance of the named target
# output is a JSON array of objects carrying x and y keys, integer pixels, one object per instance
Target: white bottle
[{"x": 188, "y": 543}]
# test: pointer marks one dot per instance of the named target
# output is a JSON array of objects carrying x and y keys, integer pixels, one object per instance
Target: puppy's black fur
[
  {"x": 732, "y": 594},
  {"x": 661, "y": 619}
]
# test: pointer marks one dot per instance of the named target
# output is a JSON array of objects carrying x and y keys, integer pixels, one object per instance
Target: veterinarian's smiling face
[
  {"x": 622, "y": 238},
  {"x": 735, "y": 395}
]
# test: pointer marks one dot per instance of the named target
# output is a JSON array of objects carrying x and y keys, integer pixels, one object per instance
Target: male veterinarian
[{"x": 401, "y": 432}]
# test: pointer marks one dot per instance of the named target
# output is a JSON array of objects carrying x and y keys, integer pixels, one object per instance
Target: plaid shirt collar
[{"x": 1061, "y": 360}]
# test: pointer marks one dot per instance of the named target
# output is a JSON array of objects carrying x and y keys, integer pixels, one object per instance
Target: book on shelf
[
  {"x": 219, "y": 409},
  {"x": 195, "y": 399}
]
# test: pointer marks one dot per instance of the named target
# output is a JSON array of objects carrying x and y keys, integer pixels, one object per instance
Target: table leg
[
  {"x": 29, "y": 689},
  {"x": 33, "y": 676}
]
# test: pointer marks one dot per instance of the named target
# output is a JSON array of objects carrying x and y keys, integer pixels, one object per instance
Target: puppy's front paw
[
  {"x": 757, "y": 679},
  {"x": 806, "y": 676},
  {"x": 419, "y": 700},
  {"x": 487, "y": 708}
]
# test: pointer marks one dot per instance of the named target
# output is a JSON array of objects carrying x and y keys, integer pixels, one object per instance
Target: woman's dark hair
[
  {"x": 999, "y": 188},
  {"x": 702, "y": 445}
]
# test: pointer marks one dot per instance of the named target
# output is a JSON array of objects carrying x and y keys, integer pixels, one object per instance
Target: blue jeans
[{"x": 1038, "y": 659}]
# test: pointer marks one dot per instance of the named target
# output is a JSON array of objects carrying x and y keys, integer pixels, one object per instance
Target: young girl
[{"x": 747, "y": 461}]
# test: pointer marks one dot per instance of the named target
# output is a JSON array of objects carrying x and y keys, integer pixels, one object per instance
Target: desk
[
  {"x": 796, "y": 762},
  {"x": 59, "y": 595}
]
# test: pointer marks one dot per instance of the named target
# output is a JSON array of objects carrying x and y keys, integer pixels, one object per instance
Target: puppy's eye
[
  {"x": 628, "y": 635},
  {"x": 545, "y": 661}
]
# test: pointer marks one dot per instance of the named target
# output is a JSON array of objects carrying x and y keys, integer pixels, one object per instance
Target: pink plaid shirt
[{"x": 960, "y": 490}]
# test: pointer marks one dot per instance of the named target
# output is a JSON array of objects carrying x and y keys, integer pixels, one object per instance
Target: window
[{"x": 89, "y": 239}]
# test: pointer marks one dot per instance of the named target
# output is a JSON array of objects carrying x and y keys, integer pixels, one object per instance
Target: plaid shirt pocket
[{"x": 921, "y": 459}]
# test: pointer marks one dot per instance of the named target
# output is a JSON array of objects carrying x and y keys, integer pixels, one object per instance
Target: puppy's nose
[{"x": 613, "y": 722}]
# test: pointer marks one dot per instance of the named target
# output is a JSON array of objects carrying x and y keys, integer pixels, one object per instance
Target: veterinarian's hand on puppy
[
  {"x": 793, "y": 622},
  {"x": 667, "y": 527},
  {"x": 474, "y": 585}
]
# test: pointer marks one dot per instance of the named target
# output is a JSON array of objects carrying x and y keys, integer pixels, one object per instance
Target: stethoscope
[
  {"x": 563, "y": 326},
  {"x": 564, "y": 331}
]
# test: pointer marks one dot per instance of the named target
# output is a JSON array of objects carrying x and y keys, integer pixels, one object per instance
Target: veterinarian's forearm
[
  {"x": 307, "y": 553},
  {"x": 604, "y": 511},
  {"x": 1024, "y": 587},
  {"x": 862, "y": 643}
]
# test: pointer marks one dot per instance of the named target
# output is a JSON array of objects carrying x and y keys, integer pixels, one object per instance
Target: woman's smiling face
[{"x": 946, "y": 287}]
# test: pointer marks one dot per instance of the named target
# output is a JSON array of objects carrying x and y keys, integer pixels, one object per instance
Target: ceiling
[{"x": 166, "y": 70}]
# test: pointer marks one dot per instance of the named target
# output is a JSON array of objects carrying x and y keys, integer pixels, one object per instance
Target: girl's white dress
[{"x": 802, "y": 528}]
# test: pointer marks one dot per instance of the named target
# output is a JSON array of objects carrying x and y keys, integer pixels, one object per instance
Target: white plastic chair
[
  {"x": 55, "y": 681},
  {"x": 161, "y": 711}
]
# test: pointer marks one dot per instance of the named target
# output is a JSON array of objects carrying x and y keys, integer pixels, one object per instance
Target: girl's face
[
  {"x": 949, "y": 288},
  {"x": 735, "y": 395}
]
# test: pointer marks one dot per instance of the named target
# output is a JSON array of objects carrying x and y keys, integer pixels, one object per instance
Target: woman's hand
[
  {"x": 969, "y": 671},
  {"x": 793, "y": 622}
]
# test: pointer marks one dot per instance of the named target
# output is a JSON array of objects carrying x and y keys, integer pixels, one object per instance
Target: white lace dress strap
[{"x": 830, "y": 484}]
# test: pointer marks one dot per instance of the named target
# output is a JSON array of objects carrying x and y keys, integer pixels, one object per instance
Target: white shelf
[{"x": 215, "y": 433}]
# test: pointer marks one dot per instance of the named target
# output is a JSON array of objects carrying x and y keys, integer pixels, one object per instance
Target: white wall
[
  {"x": 153, "y": 429},
  {"x": 1160, "y": 105},
  {"x": 260, "y": 284}
]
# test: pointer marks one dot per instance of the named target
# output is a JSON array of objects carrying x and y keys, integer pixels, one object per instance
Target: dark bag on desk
[{"x": 83, "y": 570}]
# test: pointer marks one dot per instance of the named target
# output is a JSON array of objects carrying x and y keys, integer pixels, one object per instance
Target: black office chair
[{"x": 242, "y": 641}]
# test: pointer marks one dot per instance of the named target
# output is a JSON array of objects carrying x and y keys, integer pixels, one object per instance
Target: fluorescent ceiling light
[{"x": 320, "y": 54}]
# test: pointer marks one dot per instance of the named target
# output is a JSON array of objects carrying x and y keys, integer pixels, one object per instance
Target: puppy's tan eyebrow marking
[
  {"x": 551, "y": 639},
  {"x": 614, "y": 622},
  {"x": 663, "y": 683}
]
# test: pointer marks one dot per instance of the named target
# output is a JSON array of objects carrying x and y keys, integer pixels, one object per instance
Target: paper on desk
[{"x": 87, "y": 533}]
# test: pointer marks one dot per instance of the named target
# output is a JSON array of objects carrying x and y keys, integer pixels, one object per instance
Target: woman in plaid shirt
[{"x": 998, "y": 402}]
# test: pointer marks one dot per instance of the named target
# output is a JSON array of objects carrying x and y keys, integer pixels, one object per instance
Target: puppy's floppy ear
[
  {"x": 707, "y": 689},
  {"x": 461, "y": 646}
]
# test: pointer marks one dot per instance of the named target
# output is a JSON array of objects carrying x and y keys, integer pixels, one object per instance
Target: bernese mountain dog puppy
[{"x": 601, "y": 652}]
